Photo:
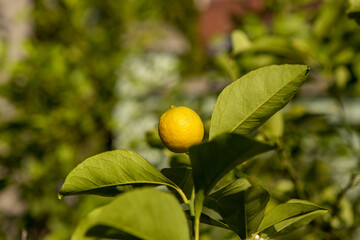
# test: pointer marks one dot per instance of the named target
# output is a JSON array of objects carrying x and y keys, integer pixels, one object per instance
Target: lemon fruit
[{"x": 180, "y": 128}]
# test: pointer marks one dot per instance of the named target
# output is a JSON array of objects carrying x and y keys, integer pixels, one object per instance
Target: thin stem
[
  {"x": 292, "y": 174},
  {"x": 341, "y": 194},
  {"x": 180, "y": 192},
  {"x": 196, "y": 228},
  {"x": 348, "y": 129},
  {"x": 354, "y": 176},
  {"x": 191, "y": 204},
  {"x": 198, "y": 203},
  {"x": 183, "y": 196}
]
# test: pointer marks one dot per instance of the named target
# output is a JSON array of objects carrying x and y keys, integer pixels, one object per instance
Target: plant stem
[
  {"x": 342, "y": 193},
  {"x": 183, "y": 196},
  {"x": 196, "y": 228},
  {"x": 292, "y": 174},
  {"x": 180, "y": 192},
  {"x": 191, "y": 204},
  {"x": 198, "y": 203}
]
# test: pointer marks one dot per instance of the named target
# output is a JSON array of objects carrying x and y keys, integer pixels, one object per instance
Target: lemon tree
[{"x": 138, "y": 212}]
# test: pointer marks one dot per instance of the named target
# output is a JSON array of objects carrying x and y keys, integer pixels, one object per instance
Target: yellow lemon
[{"x": 180, "y": 128}]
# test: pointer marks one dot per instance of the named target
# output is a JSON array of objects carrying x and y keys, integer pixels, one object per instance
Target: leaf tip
[{"x": 60, "y": 196}]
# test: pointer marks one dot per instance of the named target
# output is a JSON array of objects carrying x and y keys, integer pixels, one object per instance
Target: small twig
[
  {"x": 292, "y": 174},
  {"x": 348, "y": 129},
  {"x": 341, "y": 194},
  {"x": 191, "y": 204}
]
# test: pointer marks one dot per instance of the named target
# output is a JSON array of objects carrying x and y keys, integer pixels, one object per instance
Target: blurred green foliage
[
  {"x": 62, "y": 94},
  {"x": 98, "y": 74}
]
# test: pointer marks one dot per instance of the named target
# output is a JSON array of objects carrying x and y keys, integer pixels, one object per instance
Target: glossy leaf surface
[
  {"x": 294, "y": 214},
  {"x": 242, "y": 206},
  {"x": 212, "y": 160},
  {"x": 249, "y": 101},
  {"x": 146, "y": 213},
  {"x": 103, "y": 173}
]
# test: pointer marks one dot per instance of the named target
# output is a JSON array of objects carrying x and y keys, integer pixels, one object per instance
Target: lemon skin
[{"x": 180, "y": 128}]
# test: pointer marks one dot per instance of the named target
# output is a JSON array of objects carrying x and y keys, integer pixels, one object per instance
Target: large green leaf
[
  {"x": 249, "y": 101},
  {"x": 292, "y": 214},
  {"x": 104, "y": 173},
  {"x": 213, "y": 159},
  {"x": 147, "y": 214},
  {"x": 354, "y": 10},
  {"x": 242, "y": 206},
  {"x": 102, "y": 231},
  {"x": 234, "y": 187}
]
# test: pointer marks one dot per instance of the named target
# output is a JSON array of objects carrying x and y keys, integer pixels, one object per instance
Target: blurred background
[{"x": 81, "y": 77}]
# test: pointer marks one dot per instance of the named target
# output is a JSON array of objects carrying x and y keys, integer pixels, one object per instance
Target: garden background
[{"x": 82, "y": 77}]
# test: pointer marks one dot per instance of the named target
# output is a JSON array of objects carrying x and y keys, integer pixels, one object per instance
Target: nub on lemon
[{"x": 180, "y": 128}]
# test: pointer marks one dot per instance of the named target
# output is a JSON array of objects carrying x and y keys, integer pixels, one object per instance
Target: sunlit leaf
[
  {"x": 294, "y": 214},
  {"x": 273, "y": 128},
  {"x": 104, "y": 173},
  {"x": 212, "y": 160},
  {"x": 147, "y": 214},
  {"x": 275, "y": 45},
  {"x": 249, "y": 101},
  {"x": 240, "y": 41}
]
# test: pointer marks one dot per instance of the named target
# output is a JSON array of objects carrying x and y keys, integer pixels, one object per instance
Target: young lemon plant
[{"x": 140, "y": 211}]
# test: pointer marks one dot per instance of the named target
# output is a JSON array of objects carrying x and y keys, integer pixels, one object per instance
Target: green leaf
[
  {"x": 206, "y": 219},
  {"x": 103, "y": 231},
  {"x": 228, "y": 64},
  {"x": 249, "y": 101},
  {"x": 273, "y": 128},
  {"x": 292, "y": 214},
  {"x": 275, "y": 45},
  {"x": 213, "y": 159},
  {"x": 242, "y": 206},
  {"x": 152, "y": 138},
  {"x": 354, "y": 10},
  {"x": 342, "y": 76},
  {"x": 146, "y": 213},
  {"x": 104, "y": 173},
  {"x": 179, "y": 160},
  {"x": 232, "y": 188},
  {"x": 240, "y": 41},
  {"x": 182, "y": 177},
  {"x": 326, "y": 18}
]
